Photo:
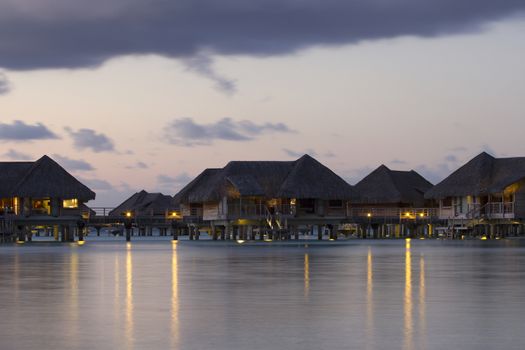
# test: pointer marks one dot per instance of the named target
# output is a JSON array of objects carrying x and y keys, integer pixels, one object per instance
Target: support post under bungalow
[
  {"x": 197, "y": 233},
  {"x": 213, "y": 232},
  {"x": 128, "y": 227},
  {"x": 21, "y": 236},
  {"x": 320, "y": 229},
  {"x": 223, "y": 232},
  {"x": 296, "y": 232},
  {"x": 191, "y": 232}
]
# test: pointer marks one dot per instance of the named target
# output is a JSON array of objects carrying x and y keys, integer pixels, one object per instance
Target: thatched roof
[
  {"x": 10, "y": 175},
  {"x": 304, "y": 178},
  {"x": 311, "y": 179},
  {"x": 202, "y": 186},
  {"x": 145, "y": 203},
  {"x": 43, "y": 178},
  {"x": 385, "y": 186},
  {"x": 482, "y": 175}
]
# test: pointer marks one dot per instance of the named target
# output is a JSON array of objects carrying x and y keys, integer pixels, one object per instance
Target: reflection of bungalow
[
  {"x": 486, "y": 196},
  {"x": 146, "y": 211},
  {"x": 41, "y": 195},
  {"x": 392, "y": 202},
  {"x": 246, "y": 197}
]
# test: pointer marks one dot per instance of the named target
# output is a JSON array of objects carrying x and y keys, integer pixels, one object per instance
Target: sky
[{"x": 145, "y": 94}]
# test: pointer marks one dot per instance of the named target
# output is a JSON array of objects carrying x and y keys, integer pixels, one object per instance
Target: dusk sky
[{"x": 145, "y": 94}]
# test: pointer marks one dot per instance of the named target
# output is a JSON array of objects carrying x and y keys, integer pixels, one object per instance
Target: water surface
[{"x": 223, "y": 295}]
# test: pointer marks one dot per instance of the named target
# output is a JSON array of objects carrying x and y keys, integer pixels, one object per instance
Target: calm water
[{"x": 217, "y": 295}]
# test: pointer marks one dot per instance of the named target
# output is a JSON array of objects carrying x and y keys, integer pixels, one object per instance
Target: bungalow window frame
[
  {"x": 75, "y": 205},
  {"x": 44, "y": 208},
  {"x": 307, "y": 209}
]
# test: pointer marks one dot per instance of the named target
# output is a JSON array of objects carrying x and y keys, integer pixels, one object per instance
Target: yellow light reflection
[
  {"x": 369, "y": 300},
  {"x": 129, "y": 296},
  {"x": 306, "y": 275},
  {"x": 408, "y": 329},
  {"x": 241, "y": 241},
  {"x": 174, "y": 298},
  {"x": 81, "y": 242},
  {"x": 422, "y": 302}
]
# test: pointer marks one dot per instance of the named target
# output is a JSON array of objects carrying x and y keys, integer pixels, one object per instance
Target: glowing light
[
  {"x": 306, "y": 275},
  {"x": 128, "y": 214},
  {"x": 70, "y": 203},
  {"x": 422, "y": 238},
  {"x": 268, "y": 240},
  {"x": 369, "y": 215},
  {"x": 20, "y": 242},
  {"x": 407, "y": 243},
  {"x": 407, "y": 305},
  {"x": 174, "y": 214},
  {"x": 369, "y": 300},
  {"x": 331, "y": 239},
  {"x": 174, "y": 298},
  {"x": 483, "y": 238},
  {"x": 421, "y": 215},
  {"x": 129, "y": 297},
  {"x": 174, "y": 243},
  {"x": 81, "y": 242},
  {"x": 241, "y": 241},
  {"x": 407, "y": 214}
]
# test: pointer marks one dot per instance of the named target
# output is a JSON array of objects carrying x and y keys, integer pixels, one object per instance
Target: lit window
[{"x": 70, "y": 203}]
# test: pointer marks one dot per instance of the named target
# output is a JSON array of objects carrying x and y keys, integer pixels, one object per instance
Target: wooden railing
[
  {"x": 393, "y": 213},
  {"x": 476, "y": 211}
]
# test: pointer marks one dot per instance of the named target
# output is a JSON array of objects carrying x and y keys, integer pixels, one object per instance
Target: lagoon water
[{"x": 224, "y": 295}]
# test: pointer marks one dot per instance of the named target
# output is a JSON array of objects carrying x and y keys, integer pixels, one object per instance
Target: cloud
[
  {"x": 295, "y": 154},
  {"x": 182, "y": 178},
  {"x": 20, "y": 131},
  {"x": 38, "y": 34},
  {"x": 5, "y": 85},
  {"x": 96, "y": 184},
  {"x": 73, "y": 164},
  {"x": 138, "y": 165},
  {"x": 451, "y": 158},
  {"x": 186, "y": 132},
  {"x": 436, "y": 173},
  {"x": 398, "y": 162},
  {"x": 16, "y": 155},
  {"x": 170, "y": 184},
  {"x": 89, "y": 139},
  {"x": 202, "y": 64}
]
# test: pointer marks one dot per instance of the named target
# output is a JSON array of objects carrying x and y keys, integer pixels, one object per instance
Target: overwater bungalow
[
  {"x": 147, "y": 211},
  {"x": 41, "y": 195},
  {"x": 273, "y": 199},
  {"x": 392, "y": 203},
  {"x": 485, "y": 197}
]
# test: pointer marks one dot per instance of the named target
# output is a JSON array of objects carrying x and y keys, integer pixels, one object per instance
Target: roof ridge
[{"x": 35, "y": 165}]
